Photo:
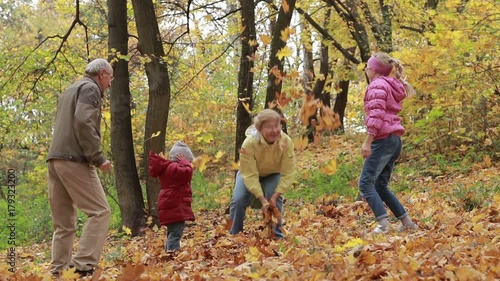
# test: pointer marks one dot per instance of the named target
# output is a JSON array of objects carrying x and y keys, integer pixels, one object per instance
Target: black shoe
[{"x": 83, "y": 273}]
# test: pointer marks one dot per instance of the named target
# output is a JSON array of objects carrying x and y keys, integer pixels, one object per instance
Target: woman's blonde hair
[
  {"x": 265, "y": 116},
  {"x": 398, "y": 70}
]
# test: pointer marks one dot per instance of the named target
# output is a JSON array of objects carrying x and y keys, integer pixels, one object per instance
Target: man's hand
[{"x": 106, "y": 166}]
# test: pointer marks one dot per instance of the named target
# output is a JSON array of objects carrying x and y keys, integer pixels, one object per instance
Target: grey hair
[
  {"x": 265, "y": 116},
  {"x": 96, "y": 65}
]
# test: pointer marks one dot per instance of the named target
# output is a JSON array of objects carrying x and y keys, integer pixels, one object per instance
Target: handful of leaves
[{"x": 271, "y": 217}]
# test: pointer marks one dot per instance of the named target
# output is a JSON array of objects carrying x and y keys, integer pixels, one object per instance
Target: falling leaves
[
  {"x": 266, "y": 39},
  {"x": 284, "y": 53},
  {"x": 330, "y": 168},
  {"x": 153, "y": 136},
  {"x": 325, "y": 240},
  {"x": 300, "y": 143}
]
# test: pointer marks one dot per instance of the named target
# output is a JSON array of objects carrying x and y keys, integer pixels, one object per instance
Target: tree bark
[
  {"x": 274, "y": 85},
  {"x": 150, "y": 46},
  {"x": 245, "y": 74},
  {"x": 122, "y": 147}
]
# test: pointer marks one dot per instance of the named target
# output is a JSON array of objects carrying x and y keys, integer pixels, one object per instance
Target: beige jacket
[
  {"x": 260, "y": 159},
  {"x": 77, "y": 134}
]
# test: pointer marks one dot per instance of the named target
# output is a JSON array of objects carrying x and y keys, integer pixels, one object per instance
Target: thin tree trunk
[
  {"x": 274, "y": 85},
  {"x": 245, "y": 74},
  {"x": 122, "y": 147},
  {"x": 150, "y": 46}
]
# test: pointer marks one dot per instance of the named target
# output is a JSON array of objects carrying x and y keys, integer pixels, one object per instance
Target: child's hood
[{"x": 395, "y": 87}]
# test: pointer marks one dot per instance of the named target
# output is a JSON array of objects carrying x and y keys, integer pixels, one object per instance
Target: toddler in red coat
[{"x": 174, "y": 200}]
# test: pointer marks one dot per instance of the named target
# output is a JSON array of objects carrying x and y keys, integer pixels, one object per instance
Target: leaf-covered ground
[{"x": 328, "y": 240}]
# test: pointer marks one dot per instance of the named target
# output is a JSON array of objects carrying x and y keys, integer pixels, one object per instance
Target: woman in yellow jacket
[{"x": 267, "y": 169}]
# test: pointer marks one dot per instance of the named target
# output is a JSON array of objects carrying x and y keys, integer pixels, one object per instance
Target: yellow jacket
[{"x": 260, "y": 159}]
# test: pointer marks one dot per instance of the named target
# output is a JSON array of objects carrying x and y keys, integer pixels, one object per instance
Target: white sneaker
[
  {"x": 408, "y": 227},
  {"x": 380, "y": 229}
]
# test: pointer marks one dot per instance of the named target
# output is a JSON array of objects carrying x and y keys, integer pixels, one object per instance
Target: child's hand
[{"x": 180, "y": 156}]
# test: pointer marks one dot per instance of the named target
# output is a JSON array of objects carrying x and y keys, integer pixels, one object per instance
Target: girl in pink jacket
[
  {"x": 382, "y": 146},
  {"x": 174, "y": 200}
]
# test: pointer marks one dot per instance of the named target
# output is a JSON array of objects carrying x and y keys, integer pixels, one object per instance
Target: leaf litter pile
[{"x": 327, "y": 240}]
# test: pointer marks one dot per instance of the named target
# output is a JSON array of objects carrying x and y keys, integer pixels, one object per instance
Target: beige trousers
[{"x": 76, "y": 185}]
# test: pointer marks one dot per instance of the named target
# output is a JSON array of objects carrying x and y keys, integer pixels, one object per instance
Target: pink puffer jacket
[{"x": 383, "y": 100}]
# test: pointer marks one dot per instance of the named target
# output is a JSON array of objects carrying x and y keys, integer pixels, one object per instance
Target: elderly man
[{"x": 72, "y": 175}]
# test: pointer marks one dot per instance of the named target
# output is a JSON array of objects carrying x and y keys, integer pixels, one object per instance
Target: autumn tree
[
  {"x": 280, "y": 30},
  {"x": 150, "y": 46},
  {"x": 126, "y": 177},
  {"x": 245, "y": 73}
]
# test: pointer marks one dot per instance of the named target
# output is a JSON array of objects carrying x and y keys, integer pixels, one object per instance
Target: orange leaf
[
  {"x": 285, "y": 5},
  {"x": 266, "y": 39}
]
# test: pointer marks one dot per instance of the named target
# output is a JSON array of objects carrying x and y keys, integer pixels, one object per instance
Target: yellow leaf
[
  {"x": 285, "y": 34},
  {"x": 127, "y": 230},
  {"x": 253, "y": 254},
  {"x": 252, "y": 42},
  {"x": 247, "y": 107},
  {"x": 284, "y": 52},
  {"x": 254, "y": 275},
  {"x": 235, "y": 166},
  {"x": 219, "y": 154},
  {"x": 414, "y": 264},
  {"x": 300, "y": 143},
  {"x": 330, "y": 168},
  {"x": 69, "y": 274},
  {"x": 266, "y": 39},
  {"x": 200, "y": 162},
  {"x": 354, "y": 242},
  {"x": 153, "y": 135}
]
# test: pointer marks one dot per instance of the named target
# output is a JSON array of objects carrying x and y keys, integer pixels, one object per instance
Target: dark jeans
[
  {"x": 241, "y": 200},
  {"x": 375, "y": 176},
  {"x": 174, "y": 235}
]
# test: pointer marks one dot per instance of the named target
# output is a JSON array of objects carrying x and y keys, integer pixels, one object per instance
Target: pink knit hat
[{"x": 379, "y": 67}]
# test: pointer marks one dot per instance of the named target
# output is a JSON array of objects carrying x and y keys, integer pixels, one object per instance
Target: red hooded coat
[{"x": 174, "y": 200}]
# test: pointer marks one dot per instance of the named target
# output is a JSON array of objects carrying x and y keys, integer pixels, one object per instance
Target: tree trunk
[
  {"x": 122, "y": 147},
  {"x": 245, "y": 74},
  {"x": 274, "y": 85},
  {"x": 150, "y": 46}
]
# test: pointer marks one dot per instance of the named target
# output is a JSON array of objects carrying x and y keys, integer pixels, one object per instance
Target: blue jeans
[
  {"x": 174, "y": 235},
  {"x": 241, "y": 200},
  {"x": 374, "y": 180}
]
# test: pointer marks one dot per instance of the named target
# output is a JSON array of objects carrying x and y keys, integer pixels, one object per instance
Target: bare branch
[{"x": 327, "y": 36}]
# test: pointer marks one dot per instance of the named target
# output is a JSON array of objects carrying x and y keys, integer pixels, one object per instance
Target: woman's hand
[
  {"x": 366, "y": 148},
  {"x": 265, "y": 204},
  {"x": 274, "y": 198}
]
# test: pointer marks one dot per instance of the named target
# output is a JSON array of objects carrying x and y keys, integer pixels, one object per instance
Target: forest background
[{"x": 198, "y": 71}]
